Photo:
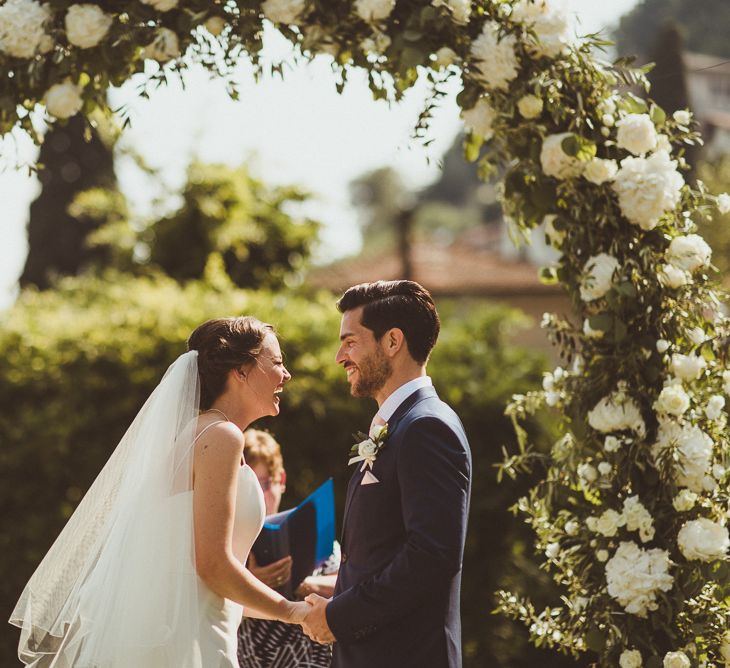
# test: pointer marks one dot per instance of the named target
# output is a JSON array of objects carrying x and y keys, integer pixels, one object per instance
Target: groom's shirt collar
[{"x": 396, "y": 398}]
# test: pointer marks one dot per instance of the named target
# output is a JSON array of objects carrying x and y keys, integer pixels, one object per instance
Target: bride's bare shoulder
[{"x": 220, "y": 436}]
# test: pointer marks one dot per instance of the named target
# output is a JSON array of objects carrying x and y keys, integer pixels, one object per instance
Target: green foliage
[
  {"x": 76, "y": 364},
  {"x": 704, "y": 24}
]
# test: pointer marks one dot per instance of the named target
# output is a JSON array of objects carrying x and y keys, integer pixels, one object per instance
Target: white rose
[
  {"x": 723, "y": 203},
  {"x": 161, "y": 5},
  {"x": 86, "y": 25},
  {"x": 609, "y": 523},
  {"x": 496, "y": 62},
  {"x": 591, "y": 523},
  {"x": 703, "y": 540},
  {"x": 367, "y": 448},
  {"x": 64, "y": 100},
  {"x": 662, "y": 346},
  {"x": 550, "y": 22},
  {"x": 616, "y": 412},
  {"x": 647, "y": 188},
  {"x": 552, "y": 550},
  {"x": 672, "y": 400},
  {"x": 480, "y": 118},
  {"x": 697, "y": 335},
  {"x": 682, "y": 116},
  {"x": 602, "y": 556},
  {"x": 23, "y": 28},
  {"x": 377, "y": 431},
  {"x": 676, "y": 660},
  {"x": 684, "y": 501},
  {"x": 630, "y": 658},
  {"x": 591, "y": 333},
  {"x": 556, "y": 162},
  {"x": 599, "y": 171},
  {"x": 687, "y": 367},
  {"x": 638, "y": 518},
  {"x": 714, "y": 407},
  {"x": 634, "y": 576},
  {"x": 611, "y": 444},
  {"x": 288, "y": 12},
  {"x": 689, "y": 252},
  {"x": 445, "y": 57},
  {"x": 572, "y": 527},
  {"x": 215, "y": 25},
  {"x": 460, "y": 10},
  {"x": 598, "y": 276},
  {"x": 673, "y": 277},
  {"x": 693, "y": 452},
  {"x": 164, "y": 47},
  {"x": 554, "y": 236},
  {"x": 530, "y": 106},
  {"x": 636, "y": 133},
  {"x": 726, "y": 382}
]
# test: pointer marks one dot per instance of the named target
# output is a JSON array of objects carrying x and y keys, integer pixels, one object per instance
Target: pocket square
[{"x": 368, "y": 479}]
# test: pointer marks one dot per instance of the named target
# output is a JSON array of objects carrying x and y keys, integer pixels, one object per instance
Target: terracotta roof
[{"x": 454, "y": 270}]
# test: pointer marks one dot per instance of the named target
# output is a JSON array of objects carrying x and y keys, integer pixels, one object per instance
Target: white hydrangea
[
  {"x": 480, "y": 118},
  {"x": 673, "y": 277},
  {"x": 64, "y": 100},
  {"x": 496, "y": 62},
  {"x": 636, "y": 133},
  {"x": 687, "y": 367},
  {"x": 373, "y": 11},
  {"x": 530, "y": 106},
  {"x": 550, "y": 22},
  {"x": 685, "y": 500},
  {"x": 86, "y": 25},
  {"x": 630, "y": 658},
  {"x": 638, "y": 518},
  {"x": 703, "y": 540},
  {"x": 647, "y": 188},
  {"x": 288, "y": 12},
  {"x": 635, "y": 575},
  {"x": 723, "y": 203},
  {"x": 672, "y": 400},
  {"x": 215, "y": 25},
  {"x": 460, "y": 10},
  {"x": 676, "y": 660},
  {"x": 161, "y": 5},
  {"x": 598, "y": 276},
  {"x": 599, "y": 171},
  {"x": 556, "y": 162},
  {"x": 23, "y": 28},
  {"x": 689, "y": 252},
  {"x": 693, "y": 452},
  {"x": 617, "y": 412},
  {"x": 164, "y": 47}
]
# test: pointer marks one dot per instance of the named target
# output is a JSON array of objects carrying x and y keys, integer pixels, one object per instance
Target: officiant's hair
[
  {"x": 224, "y": 344},
  {"x": 405, "y": 305}
]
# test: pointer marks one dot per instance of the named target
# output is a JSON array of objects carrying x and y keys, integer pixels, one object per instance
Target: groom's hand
[{"x": 315, "y": 623}]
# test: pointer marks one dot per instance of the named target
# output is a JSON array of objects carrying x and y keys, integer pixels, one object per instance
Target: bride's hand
[{"x": 297, "y": 611}]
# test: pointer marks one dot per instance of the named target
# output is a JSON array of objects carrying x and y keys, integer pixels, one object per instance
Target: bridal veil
[{"x": 118, "y": 588}]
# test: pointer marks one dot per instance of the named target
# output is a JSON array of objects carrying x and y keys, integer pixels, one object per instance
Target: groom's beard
[{"x": 373, "y": 372}]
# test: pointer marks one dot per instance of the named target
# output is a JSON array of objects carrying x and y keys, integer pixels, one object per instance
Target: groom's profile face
[{"x": 367, "y": 366}]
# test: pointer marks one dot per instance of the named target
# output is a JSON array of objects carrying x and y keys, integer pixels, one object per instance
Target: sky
[{"x": 293, "y": 131}]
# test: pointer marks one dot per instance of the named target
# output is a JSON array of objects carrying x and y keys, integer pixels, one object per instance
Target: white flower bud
[
  {"x": 682, "y": 116},
  {"x": 530, "y": 106},
  {"x": 662, "y": 346}
]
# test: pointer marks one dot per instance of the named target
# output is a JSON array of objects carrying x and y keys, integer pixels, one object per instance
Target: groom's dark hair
[{"x": 405, "y": 305}]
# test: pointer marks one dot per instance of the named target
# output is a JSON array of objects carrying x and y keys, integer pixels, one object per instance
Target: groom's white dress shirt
[{"x": 396, "y": 398}]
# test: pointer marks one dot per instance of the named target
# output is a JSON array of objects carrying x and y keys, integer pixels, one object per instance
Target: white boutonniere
[{"x": 367, "y": 447}]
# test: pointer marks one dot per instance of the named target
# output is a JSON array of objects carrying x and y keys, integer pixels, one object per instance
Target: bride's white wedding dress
[{"x": 119, "y": 588}]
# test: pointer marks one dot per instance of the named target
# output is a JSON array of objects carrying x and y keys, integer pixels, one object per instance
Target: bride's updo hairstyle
[{"x": 224, "y": 344}]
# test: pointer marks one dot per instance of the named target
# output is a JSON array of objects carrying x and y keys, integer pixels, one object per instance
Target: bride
[{"x": 149, "y": 571}]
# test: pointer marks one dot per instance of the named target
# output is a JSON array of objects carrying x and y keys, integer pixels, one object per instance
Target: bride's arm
[{"x": 217, "y": 462}]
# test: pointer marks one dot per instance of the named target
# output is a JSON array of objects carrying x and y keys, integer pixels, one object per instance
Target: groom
[{"x": 396, "y": 603}]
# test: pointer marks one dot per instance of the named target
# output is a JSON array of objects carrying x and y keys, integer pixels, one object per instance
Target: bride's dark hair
[{"x": 224, "y": 344}]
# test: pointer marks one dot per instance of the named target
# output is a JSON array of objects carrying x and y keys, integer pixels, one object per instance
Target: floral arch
[{"x": 631, "y": 509}]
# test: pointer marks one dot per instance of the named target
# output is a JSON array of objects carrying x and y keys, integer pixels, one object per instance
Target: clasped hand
[{"x": 315, "y": 623}]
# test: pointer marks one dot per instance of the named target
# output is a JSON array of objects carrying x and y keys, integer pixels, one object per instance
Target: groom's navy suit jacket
[{"x": 396, "y": 603}]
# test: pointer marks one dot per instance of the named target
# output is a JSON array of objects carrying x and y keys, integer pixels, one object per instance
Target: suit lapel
[{"x": 400, "y": 412}]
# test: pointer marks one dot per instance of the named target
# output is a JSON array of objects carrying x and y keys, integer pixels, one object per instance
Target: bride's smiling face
[{"x": 266, "y": 378}]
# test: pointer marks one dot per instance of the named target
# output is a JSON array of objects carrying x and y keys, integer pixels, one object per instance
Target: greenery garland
[{"x": 631, "y": 512}]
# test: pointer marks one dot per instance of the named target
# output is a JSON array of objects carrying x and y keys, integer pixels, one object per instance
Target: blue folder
[{"x": 306, "y": 532}]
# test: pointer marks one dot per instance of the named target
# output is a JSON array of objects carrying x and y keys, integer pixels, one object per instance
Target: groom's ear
[{"x": 393, "y": 341}]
